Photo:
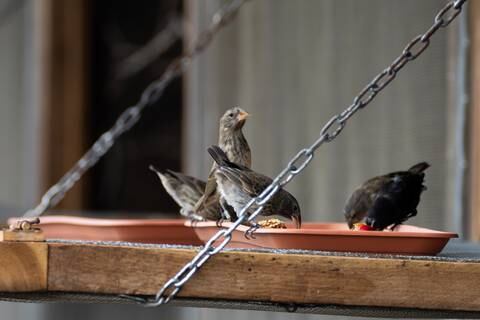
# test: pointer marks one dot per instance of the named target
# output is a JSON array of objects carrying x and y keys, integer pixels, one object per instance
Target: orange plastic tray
[
  {"x": 165, "y": 231},
  {"x": 336, "y": 237},
  {"x": 313, "y": 236}
]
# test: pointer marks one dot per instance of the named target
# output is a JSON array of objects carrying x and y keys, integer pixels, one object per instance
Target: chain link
[
  {"x": 133, "y": 114},
  {"x": 301, "y": 160}
]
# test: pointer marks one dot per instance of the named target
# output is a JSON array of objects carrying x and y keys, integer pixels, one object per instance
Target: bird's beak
[
  {"x": 298, "y": 221},
  {"x": 242, "y": 115}
]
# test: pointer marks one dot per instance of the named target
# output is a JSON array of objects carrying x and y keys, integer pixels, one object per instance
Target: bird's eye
[{"x": 230, "y": 115}]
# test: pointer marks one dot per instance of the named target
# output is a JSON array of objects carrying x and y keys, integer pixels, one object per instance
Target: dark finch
[
  {"x": 238, "y": 184},
  {"x": 388, "y": 200}
]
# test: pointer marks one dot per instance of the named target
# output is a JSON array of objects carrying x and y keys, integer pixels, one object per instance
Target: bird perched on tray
[
  {"x": 232, "y": 141},
  {"x": 238, "y": 184},
  {"x": 186, "y": 191},
  {"x": 386, "y": 201}
]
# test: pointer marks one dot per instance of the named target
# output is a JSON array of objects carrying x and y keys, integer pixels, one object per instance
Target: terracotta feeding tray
[
  {"x": 165, "y": 231},
  {"x": 337, "y": 237}
]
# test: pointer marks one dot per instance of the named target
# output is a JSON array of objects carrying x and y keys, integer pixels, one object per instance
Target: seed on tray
[{"x": 272, "y": 224}]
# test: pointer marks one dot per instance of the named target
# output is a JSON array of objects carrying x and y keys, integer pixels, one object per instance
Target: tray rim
[
  {"x": 173, "y": 222},
  {"x": 422, "y": 233},
  {"x": 107, "y": 222}
]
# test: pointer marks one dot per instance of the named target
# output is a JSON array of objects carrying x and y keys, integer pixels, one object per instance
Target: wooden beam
[
  {"x": 23, "y": 266},
  {"x": 63, "y": 90},
  {"x": 35, "y": 235},
  {"x": 474, "y": 18},
  {"x": 287, "y": 278}
]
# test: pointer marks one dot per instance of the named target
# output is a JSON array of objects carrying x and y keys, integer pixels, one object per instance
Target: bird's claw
[
  {"x": 249, "y": 233},
  {"x": 195, "y": 219},
  {"x": 194, "y": 223}
]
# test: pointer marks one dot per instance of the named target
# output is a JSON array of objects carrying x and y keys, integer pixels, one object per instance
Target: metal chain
[
  {"x": 131, "y": 115},
  {"x": 298, "y": 163}
]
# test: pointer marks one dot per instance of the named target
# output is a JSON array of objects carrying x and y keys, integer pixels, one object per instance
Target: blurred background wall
[
  {"x": 294, "y": 64},
  {"x": 18, "y": 185},
  {"x": 19, "y": 146},
  {"x": 291, "y": 64}
]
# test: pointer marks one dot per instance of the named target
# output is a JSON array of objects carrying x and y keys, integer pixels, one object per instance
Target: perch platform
[{"x": 260, "y": 279}]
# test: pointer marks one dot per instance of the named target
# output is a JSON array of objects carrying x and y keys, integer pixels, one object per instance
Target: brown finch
[
  {"x": 232, "y": 141},
  {"x": 185, "y": 191},
  {"x": 238, "y": 184},
  {"x": 387, "y": 200}
]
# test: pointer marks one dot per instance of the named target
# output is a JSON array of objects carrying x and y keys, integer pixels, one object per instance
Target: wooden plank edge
[
  {"x": 34, "y": 235},
  {"x": 323, "y": 309},
  {"x": 276, "y": 278},
  {"x": 23, "y": 266}
]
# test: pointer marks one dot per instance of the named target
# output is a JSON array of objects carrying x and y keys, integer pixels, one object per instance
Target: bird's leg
[
  {"x": 392, "y": 228},
  {"x": 219, "y": 222},
  {"x": 227, "y": 211},
  {"x": 233, "y": 215},
  {"x": 249, "y": 233},
  {"x": 194, "y": 222},
  {"x": 223, "y": 205},
  {"x": 184, "y": 213},
  {"x": 224, "y": 214}
]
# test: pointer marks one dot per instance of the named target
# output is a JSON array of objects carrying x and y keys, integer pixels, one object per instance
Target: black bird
[
  {"x": 388, "y": 200},
  {"x": 238, "y": 184}
]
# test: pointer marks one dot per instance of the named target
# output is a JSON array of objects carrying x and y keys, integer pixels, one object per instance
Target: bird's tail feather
[
  {"x": 178, "y": 176},
  {"x": 167, "y": 173},
  {"x": 419, "y": 167},
  {"x": 157, "y": 171},
  {"x": 218, "y": 155},
  {"x": 165, "y": 177}
]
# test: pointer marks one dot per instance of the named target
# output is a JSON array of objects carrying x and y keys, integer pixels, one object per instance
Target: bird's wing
[
  {"x": 256, "y": 183},
  {"x": 211, "y": 209},
  {"x": 197, "y": 185},
  {"x": 211, "y": 185},
  {"x": 383, "y": 212},
  {"x": 209, "y": 191},
  {"x": 248, "y": 181},
  {"x": 397, "y": 199}
]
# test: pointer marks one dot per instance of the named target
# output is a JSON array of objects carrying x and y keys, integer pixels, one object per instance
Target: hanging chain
[
  {"x": 130, "y": 116},
  {"x": 298, "y": 163}
]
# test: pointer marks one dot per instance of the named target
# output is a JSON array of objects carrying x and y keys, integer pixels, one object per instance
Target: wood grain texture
[
  {"x": 269, "y": 277},
  {"x": 474, "y": 20},
  {"x": 23, "y": 266},
  {"x": 30, "y": 236},
  {"x": 63, "y": 90}
]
